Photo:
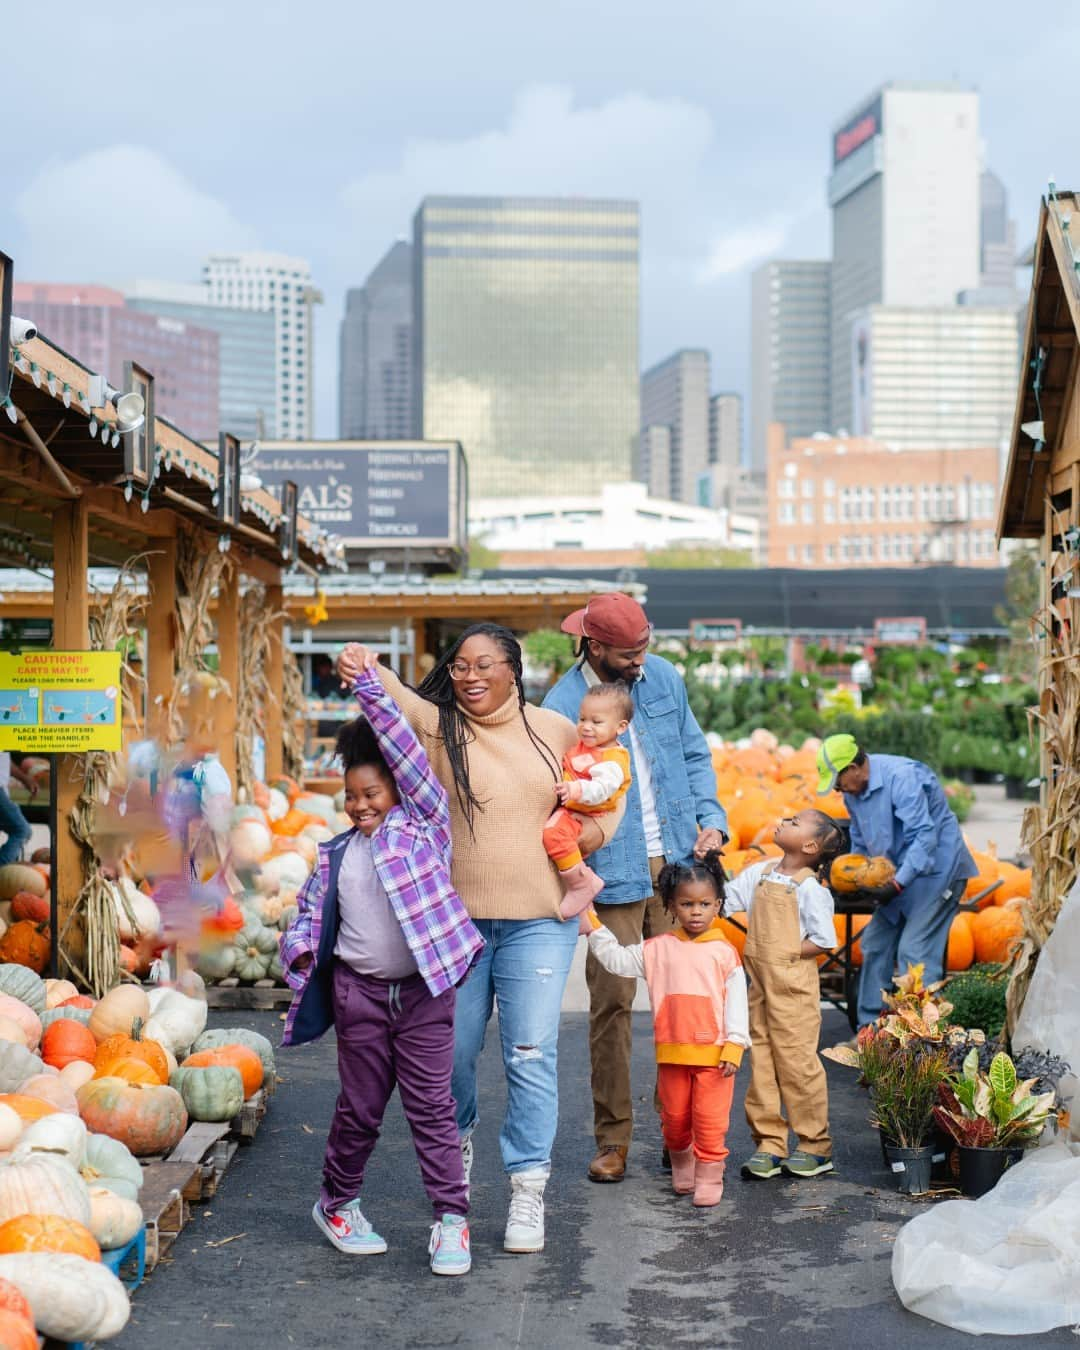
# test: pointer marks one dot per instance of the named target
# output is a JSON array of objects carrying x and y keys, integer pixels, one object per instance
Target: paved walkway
[{"x": 782, "y": 1264}]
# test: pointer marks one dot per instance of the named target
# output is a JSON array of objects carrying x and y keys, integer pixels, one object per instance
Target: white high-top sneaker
[
  {"x": 467, "y": 1158},
  {"x": 525, "y": 1222}
]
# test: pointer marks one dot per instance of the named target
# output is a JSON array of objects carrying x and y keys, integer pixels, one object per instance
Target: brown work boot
[{"x": 609, "y": 1163}]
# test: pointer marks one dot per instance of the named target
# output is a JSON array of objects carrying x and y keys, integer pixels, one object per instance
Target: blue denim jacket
[{"x": 683, "y": 778}]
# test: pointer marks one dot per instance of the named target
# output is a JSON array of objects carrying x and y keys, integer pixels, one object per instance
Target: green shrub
[{"x": 978, "y": 999}]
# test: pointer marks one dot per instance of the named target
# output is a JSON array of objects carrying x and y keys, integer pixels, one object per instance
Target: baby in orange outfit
[{"x": 596, "y": 775}]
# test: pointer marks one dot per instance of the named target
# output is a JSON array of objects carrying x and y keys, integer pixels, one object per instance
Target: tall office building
[
  {"x": 789, "y": 351},
  {"x": 526, "y": 338},
  {"x": 904, "y": 192},
  {"x": 725, "y": 430},
  {"x": 272, "y": 281},
  {"x": 95, "y": 322},
  {"x": 375, "y": 372},
  {"x": 997, "y": 236},
  {"x": 246, "y": 353},
  {"x": 675, "y": 394}
]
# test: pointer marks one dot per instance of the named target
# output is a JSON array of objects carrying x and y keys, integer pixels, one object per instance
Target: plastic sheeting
[{"x": 1009, "y": 1263}]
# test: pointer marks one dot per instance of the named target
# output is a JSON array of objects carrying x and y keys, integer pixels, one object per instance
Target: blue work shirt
[
  {"x": 683, "y": 778},
  {"x": 904, "y": 815}
]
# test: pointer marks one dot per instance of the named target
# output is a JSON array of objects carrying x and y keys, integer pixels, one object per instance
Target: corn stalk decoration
[
  {"x": 254, "y": 693},
  {"x": 292, "y": 711},
  {"x": 199, "y": 572},
  {"x": 1051, "y": 830},
  {"x": 113, "y": 628}
]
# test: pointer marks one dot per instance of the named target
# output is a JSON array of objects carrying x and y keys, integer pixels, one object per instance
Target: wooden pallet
[
  {"x": 246, "y": 1122},
  {"x": 262, "y": 996},
  {"x": 165, "y": 1204},
  {"x": 208, "y": 1145}
]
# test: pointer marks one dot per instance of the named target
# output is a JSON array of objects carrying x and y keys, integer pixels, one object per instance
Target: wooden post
[
  {"x": 273, "y": 720},
  {"x": 228, "y": 645},
  {"x": 71, "y": 632},
  {"x": 160, "y": 638}
]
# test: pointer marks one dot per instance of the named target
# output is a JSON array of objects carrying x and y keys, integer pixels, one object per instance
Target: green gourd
[
  {"x": 254, "y": 1040},
  {"x": 111, "y": 1163},
  {"x": 255, "y": 944},
  {"x": 215, "y": 1092},
  {"x": 22, "y": 983},
  {"x": 17, "y": 1064},
  {"x": 50, "y": 1015}
]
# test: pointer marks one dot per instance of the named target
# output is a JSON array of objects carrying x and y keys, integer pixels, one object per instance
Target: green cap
[{"x": 834, "y": 756}]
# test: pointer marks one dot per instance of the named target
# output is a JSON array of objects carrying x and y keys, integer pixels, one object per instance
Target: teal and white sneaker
[
  {"x": 805, "y": 1165},
  {"x": 761, "y": 1166},
  {"x": 348, "y": 1230},
  {"x": 449, "y": 1246}
]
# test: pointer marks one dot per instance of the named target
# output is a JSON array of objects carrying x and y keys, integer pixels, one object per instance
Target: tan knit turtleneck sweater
[{"x": 502, "y": 872}]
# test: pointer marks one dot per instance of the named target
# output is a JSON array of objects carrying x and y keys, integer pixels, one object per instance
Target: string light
[
  {"x": 11, "y": 410},
  {"x": 35, "y": 374},
  {"x": 106, "y": 432},
  {"x": 51, "y": 382},
  {"x": 93, "y": 426},
  {"x": 67, "y": 394}
]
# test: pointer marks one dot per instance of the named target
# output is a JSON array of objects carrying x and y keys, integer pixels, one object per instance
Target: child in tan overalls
[{"x": 789, "y": 925}]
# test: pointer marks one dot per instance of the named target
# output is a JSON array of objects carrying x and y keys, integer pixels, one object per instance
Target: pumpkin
[
  {"x": 11, "y": 1127},
  {"x": 17, "y": 1064},
  {"x": 254, "y": 1040},
  {"x": 12, "y": 1301},
  {"x": 51, "y": 1015},
  {"x": 249, "y": 841},
  {"x": 80, "y": 1001},
  {"x": 176, "y": 1020},
  {"x": 1015, "y": 883},
  {"x": 129, "y": 961},
  {"x": 12, "y": 1032},
  {"x": 72, "y": 1299},
  {"x": 47, "y": 1087},
  {"x": 27, "y": 1108},
  {"x": 961, "y": 949},
  {"x": 42, "y": 1183},
  {"x": 228, "y": 919},
  {"x": 255, "y": 944},
  {"x": 136, "y": 913},
  {"x": 24, "y": 1016},
  {"x": 988, "y": 873},
  {"x": 114, "y": 1221},
  {"x": 23, "y": 984},
  {"x": 854, "y": 872},
  {"x": 36, "y": 908},
  {"x": 282, "y": 872},
  {"x": 135, "y": 1046},
  {"x": 56, "y": 991},
  {"x": 27, "y": 944},
  {"x": 75, "y": 1074},
  {"x": 215, "y": 1092},
  {"x": 60, "y": 1135},
  {"x": 47, "y": 1233},
  {"x": 147, "y": 1117},
  {"x": 16, "y": 1331},
  {"x": 235, "y": 1056},
  {"x": 66, "y": 1041},
  {"x": 216, "y": 960},
  {"x": 118, "y": 1011},
  {"x": 110, "y": 1163},
  {"x": 130, "y": 1069},
  {"x": 18, "y": 877},
  {"x": 736, "y": 936},
  {"x": 858, "y": 923},
  {"x": 996, "y": 933}
]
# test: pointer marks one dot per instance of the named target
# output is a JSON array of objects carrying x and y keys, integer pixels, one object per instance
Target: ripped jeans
[{"x": 523, "y": 966}]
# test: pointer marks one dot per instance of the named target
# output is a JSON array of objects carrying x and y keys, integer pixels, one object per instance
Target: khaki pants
[{"x": 610, "y": 1020}]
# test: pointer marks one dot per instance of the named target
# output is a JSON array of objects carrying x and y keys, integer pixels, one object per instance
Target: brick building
[{"x": 847, "y": 502}]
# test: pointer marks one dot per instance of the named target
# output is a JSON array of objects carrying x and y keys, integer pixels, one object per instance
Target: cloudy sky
[{"x": 139, "y": 137}]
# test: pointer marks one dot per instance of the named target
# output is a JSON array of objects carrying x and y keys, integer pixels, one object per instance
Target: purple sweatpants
[{"x": 393, "y": 1032}]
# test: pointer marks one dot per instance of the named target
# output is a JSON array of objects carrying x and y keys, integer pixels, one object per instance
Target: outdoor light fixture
[
  {"x": 93, "y": 427},
  {"x": 11, "y": 410},
  {"x": 106, "y": 432},
  {"x": 1036, "y": 430},
  {"x": 51, "y": 382},
  {"x": 22, "y": 330},
  {"x": 130, "y": 408},
  {"x": 67, "y": 395},
  {"x": 35, "y": 374}
]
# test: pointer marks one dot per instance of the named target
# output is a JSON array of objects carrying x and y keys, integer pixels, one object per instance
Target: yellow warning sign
[{"x": 57, "y": 703}]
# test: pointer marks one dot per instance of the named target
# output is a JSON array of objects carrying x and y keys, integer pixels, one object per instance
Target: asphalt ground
[{"x": 777, "y": 1264}]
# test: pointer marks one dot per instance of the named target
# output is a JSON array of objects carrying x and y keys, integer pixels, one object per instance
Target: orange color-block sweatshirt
[{"x": 696, "y": 987}]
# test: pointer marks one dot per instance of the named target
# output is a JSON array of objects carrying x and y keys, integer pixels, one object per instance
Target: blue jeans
[
  {"x": 921, "y": 937},
  {"x": 15, "y": 825},
  {"x": 524, "y": 967}
]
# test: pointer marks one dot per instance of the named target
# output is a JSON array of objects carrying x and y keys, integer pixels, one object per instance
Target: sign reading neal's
[{"x": 374, "y": 494}]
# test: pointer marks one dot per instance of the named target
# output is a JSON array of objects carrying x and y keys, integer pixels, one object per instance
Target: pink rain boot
[
  {"x": 582, "y": 886},
  {"x": 708, "y": 1183},
  {"x": 683, "y": 1171}
]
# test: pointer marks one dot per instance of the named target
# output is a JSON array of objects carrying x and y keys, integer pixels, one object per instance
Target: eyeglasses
[{"x": 461, "y": 670}]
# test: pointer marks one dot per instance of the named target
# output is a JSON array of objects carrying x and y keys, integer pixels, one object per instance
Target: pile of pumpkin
[
  {"x": 758, "y": 781},
  {"x": 87, "y": 1088},
  {"x": 25, "y": 937}
]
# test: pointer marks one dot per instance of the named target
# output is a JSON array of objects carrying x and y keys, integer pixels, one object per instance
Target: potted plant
[
  {"x": 904, "y": 1095},
  {"x": 993, "y": 1116}
]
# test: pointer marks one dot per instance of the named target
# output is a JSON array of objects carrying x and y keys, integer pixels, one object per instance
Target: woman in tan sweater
[{"x": 499, "y": 759}]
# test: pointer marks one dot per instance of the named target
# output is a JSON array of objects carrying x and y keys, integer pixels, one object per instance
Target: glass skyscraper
[{"x": 526, "y": 338}]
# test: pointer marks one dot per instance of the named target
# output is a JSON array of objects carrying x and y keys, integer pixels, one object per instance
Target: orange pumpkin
[
  {"x": 855, "y": 872},
  {"x": 13, "y": 1300},
  {"x": 66, "y": 1040},
  {"x": 48, "y": 1233},
  {"x": 119, "y": 1046},
  {"x": 77, "y": 1001},
  {"x": 293, "y": 821},
  {"x": 26, "y": 944},
  {"x": 289, "y": 786},
  {"x": 997, "y": 932},
  {"x": 736, "y": 936},
  {"x": 128, "y": 959},
  {"x": 17, "y": 1332},
  {"x": 858, "y": 923},
  {"x": 27, "y": 1108},
  {"x": 127, "y": 1067},
  {"x": 987, "y": 874},
  {"x": 1016, "y": 883},
  {"x": 26, "y": 905},
  {"x": 961, "y": 951},
  {"x": 234, "y": 1057},
  {"x": 147, "y": 1117}
]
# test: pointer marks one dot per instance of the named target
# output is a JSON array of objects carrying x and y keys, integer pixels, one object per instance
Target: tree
[
  {"x": 1023, "y": 597},
  {"x": 684, "y": 558},
  {"x": 549, "y": 648}
]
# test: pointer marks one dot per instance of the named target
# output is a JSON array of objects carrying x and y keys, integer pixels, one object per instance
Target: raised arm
[{"x": 421, "y": 715}]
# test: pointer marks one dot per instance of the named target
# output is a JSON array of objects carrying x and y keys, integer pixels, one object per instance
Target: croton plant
[{"x": 992, "y": 1108}]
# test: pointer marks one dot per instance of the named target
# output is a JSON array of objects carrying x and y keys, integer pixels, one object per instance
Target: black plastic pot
[
  {"x": 944, "y": 1146},
  {"x": 911, "y": 1168},
  {"x": 964, "y": 776},
  {"x": 982, "y": 1168},
  {"x": 985, "y": 776}
]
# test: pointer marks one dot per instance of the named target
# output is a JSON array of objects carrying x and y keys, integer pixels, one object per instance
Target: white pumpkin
[
  {"x": 114, "y": 1220},
  {"x": 58, "y": 991},
  {"x": 11, "y": 1126},
  {"x": 144, "y": 918},
  {"x": 71, "y": 1298},
  {"x": 75, "y": 1074},
  {"x": 282, "y": 872},
  {"x": 58, "y": 1135},
  {"x": 17, "y": 1064},
  {"x": 10, "y": 1030},
  {"x": 42, "y": 1184},
  {"x": 317, "y": 804},
  {"x": 175, "y": 1020},
  {"x": 250, "y": 841},
  {"x": 278, "y": 805},
  {"x": 17, "y": 1011},
  {"x": 318, "y": 834},
  {"x": 16, "y": 877}
]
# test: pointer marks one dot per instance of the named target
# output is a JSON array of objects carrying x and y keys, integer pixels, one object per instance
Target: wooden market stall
[
  {"x": 1040, "y": 502},
  {"x": 78, "y": 489}
]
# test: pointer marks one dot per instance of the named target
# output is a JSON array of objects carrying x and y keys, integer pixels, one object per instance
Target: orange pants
[
  {"x": 695, "y": 1107},
  {"x": 561, "y": 834}
]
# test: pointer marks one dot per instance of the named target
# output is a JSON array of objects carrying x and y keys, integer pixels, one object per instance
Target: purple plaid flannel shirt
[{"x": 411, "y": 851}]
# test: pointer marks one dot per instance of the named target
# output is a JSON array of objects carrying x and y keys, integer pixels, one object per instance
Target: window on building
[
  {"x": 808, "y": 553},
  {"x": 868, "y": 503},
  {"x": 786, "y": 487},
  {"x": 786, "y": 514},
  {"x": 807, "y": 487},
  {"x": 830, "y": 553},
  {"x": 828, "y": 488},
  {"x": 792, "y": 553},
  {"x": 808, "y": 513}
]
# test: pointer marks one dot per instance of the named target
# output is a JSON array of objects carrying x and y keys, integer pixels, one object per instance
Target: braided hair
[
  {"x": 674, "y": 875},
  {"x": 830, "y": 836},
  {"x": 454, "y": 729}
]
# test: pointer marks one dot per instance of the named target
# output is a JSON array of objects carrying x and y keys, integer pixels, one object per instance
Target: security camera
[{"x": 22, "y": 330}]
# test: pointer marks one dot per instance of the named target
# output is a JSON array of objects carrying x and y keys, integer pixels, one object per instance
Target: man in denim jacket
[{"x": 671, "y": 814}]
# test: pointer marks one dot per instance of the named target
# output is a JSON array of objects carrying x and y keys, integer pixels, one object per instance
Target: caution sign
[{"x": 60, "y": 703}]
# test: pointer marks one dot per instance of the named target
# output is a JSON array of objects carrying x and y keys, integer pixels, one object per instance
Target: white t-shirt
[
  {"x": 650, "y": 821},
  {"x": 814, "y": 900}
]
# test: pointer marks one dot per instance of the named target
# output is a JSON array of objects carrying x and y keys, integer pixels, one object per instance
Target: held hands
[
  {"x": 707, "y": 841},
  {"x": 588, "y": 922},
  {"x": 567, "y": 792},
  {"x": 727, "y": 1070},
  {"x": 353, "y": 660}
]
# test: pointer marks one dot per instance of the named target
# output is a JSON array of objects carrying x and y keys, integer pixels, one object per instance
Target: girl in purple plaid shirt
[{"x": 379, "y": 945}]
